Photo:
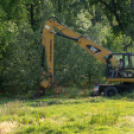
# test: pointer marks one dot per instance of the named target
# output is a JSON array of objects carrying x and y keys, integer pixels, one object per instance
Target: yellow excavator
[{"x": 124, "y": 76}]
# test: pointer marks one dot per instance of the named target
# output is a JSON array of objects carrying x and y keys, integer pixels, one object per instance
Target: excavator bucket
[{"x": 45, "y": 83}]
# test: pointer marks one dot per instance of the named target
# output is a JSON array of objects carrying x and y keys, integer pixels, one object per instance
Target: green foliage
[
  {"x": 21, "y": 25},
  {"x": 22, "y": 75},
  {"x": 119, "y": 13},
  {"x": 20, "y": 50},
  {"x": 12, "y": 13}
]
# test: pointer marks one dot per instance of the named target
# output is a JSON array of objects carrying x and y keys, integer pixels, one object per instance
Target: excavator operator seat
[{"x": 120, "y": 65}]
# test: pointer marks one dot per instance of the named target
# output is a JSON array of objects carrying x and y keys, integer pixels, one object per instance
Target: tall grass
[{"x": 67, "y": 116}]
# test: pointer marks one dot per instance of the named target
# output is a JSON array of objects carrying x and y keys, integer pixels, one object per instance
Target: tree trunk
[
  {"x": 59, "y": 6},
  {"x": 31, "y": 13}
]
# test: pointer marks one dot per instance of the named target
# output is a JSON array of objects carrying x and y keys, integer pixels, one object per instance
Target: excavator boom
[{"x": 48, "y": 42}]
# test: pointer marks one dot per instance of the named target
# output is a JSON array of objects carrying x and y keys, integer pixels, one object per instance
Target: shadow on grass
[
  {"x": 126, "y": 96},
  {"x": 65, "y": 101},
  {"x": 6, "y": 99},
  {"x": 62, "y": 100},
  {"x": 51, "y": 100}
]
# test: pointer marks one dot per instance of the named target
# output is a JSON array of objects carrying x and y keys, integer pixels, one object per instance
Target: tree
[{"x": 118, "y": 13}]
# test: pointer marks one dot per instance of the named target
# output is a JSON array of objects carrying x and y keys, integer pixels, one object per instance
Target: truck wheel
[{"x": 110, "y": 91}]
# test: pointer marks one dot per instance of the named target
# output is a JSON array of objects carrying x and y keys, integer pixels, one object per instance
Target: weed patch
[{"x": 104, "y": 119}]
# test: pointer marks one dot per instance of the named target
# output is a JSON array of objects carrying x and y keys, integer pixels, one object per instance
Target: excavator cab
[{"x": 120, "y": 67}]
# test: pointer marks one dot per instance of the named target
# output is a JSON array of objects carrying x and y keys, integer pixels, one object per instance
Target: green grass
[{"x": 49, "y": 115}]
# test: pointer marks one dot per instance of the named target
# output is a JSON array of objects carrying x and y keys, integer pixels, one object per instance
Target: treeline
[{"x": 108, "y": 23}]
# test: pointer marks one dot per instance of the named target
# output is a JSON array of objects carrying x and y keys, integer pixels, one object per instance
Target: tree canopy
[{"x": 108, "y": 23}]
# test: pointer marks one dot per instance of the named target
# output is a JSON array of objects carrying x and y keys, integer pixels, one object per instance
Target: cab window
[{"x": 129, "y": 61}]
